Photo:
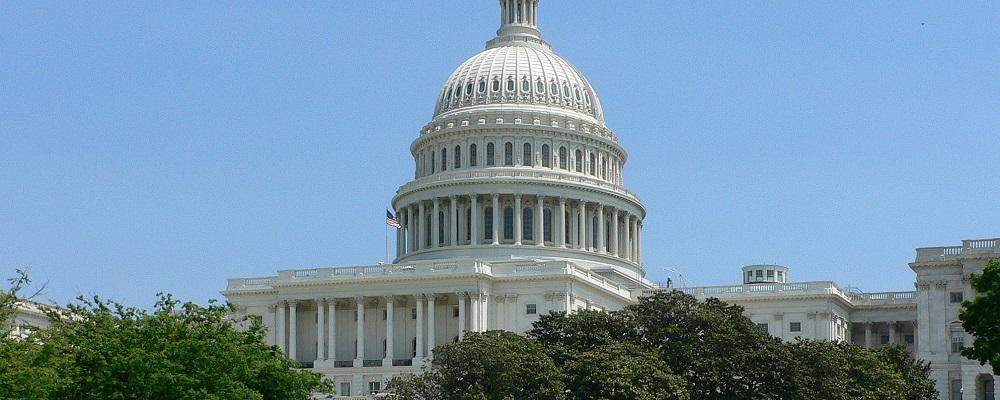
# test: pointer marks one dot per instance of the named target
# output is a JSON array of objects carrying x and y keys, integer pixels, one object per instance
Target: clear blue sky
[{"x": 167, "y": 146}]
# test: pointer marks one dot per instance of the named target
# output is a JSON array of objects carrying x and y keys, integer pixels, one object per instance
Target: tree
[
  {"x": 842, "y": 371},
  {"x": 981, "y": 319},
  {"x": 104, "y": 350},
  {"x": 493, "y": 365},
  {"x": 915, "y": 373}
]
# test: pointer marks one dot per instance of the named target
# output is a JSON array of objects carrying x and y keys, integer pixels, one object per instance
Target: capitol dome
[{"x": 519, "y": 73}]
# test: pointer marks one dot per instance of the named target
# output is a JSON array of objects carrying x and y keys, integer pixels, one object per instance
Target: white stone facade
[
  {"x": 28, "y": 316},
  {"x": 518, "y": 207}
]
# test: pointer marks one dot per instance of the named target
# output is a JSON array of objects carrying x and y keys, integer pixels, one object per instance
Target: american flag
[{"x": 391, "y": 220}]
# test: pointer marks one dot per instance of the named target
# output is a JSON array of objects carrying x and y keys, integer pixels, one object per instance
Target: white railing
[
  {"x": 804, "y": 288},
  {"x": 514, "y": 172},
  {"x": 883, "y": 298},
  {"x": 977, "y": 246}
]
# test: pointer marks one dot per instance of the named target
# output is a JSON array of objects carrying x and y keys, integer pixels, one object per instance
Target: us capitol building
[{"x": 518, "y": 207}]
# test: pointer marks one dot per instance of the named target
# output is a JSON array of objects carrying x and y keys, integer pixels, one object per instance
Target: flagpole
[{"x": 387, "y": 244}]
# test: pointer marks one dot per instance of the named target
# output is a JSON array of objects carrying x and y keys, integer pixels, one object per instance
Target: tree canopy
[
  {"x": 981, "y": 319},
  {"x": 100, "y": 349}
]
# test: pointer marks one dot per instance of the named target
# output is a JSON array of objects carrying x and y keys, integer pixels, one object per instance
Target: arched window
[
  {"x": 547, "y": 226},
  {"x": 540, "y": 86},
  {"x": 427, "y": 231},
  {"x": 546, "y": 156},
  {"x": 496, "y": 85},
  {"x": 441, "y": 228},
  {"x": 510, "y": 84},
  {"x": 525, "y": 86},
  {"x": 565, "y": 91},
  {"x": 458, "y": 157},
  {"x": 508, "y": 223},
  {"x": 482, "y": 86},
  {"x": 444, "y": 160},
  {"x": 527, "y": 225},
  {"x": 458, "y": 92},
  {"x": 593, "y": 164},
  {"x": 562, "y": 157},
  {"x": 490, "y": 155},
  {"x": 554, "y": 89},
  {"x": 604, "y": 167},
  {"x": 577, "y": 92},
  {"x": 566, "y": 236},
  {"x": 593, "y": 232},
  {"x": 473, "y": 155},
  {"x": 468, "y": 89},
  {"x": 433, "y": 163},
  {"x": 579, "y": 161},
  {"x": 508, "y": 154},
  {"x": 488, "y": 223},
  {"x": 528, "y": 155},
  {"x": 607, "y": 233}
]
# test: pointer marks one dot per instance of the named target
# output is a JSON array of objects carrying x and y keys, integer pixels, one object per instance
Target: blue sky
[{"x": 167, "y": 146}]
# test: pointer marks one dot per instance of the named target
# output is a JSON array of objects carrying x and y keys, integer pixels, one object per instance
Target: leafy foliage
[
  {"x": 104, "y": 350},
  {"x": 981, "y": 319}
]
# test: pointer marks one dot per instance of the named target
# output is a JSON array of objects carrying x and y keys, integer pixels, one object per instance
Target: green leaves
[
  {"x": 104, "y": 350},
  {"x": 981, "y": 318}
]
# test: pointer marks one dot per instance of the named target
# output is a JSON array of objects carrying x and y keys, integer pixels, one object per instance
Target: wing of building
[
  {"x": 28, "y": 316},
  {"x": 518, "y": 207}
]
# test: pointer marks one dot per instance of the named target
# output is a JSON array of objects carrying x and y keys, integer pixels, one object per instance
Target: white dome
[{"x": 522, "y": 73}]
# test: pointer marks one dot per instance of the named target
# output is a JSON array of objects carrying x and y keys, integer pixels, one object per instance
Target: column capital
[
  {"x": 292, "y": 302},
  {"x": 320, "y": 300},
  {"x": 562, "y": 200},
  {"x": 600, "y": 207},
  {"x": 359, "y": 299},
  {"x": 462, "y": 295},
  {"x": 453, "y": 197},
  {"x": 517, "y": 196},
  {"x": 389, "y": 298},
  {"x": 430, "y": 296},
  {"x": 495, "y": 195}
]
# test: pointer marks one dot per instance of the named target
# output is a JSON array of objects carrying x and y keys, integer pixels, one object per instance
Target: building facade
[
  {"x": 518, "y": 207},
  {"x": 28, "y": 316}
]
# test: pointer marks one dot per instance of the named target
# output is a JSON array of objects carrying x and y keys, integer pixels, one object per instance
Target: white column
[
  {"x": 320, "y": 325},
  {"x": 601, "y": 241},
  {"x": 582, "y": 226},
  {"x": 540, "y": 221},
  {"x": 517, "y": 220},
  {"x": 484, "y": 305},
  {"x": 280, "y": 328},
  {"x": 431, "y": 310},
  {"x": 561, "y": 234},
  {"x": 454, "y": 220},
  {"x": 390, "y": 331},
  {"x": 512, "y": 310},
  {"x": 638, "y": 241},
  {"x": 420, "y": 329},
  {"x": 892, "y": 332},
  {"x": 331, "y": 336},
  {"x": 474, "y": 300},
  {"x": 411, "y": 230},
  {"x": 628, "y": 237},
  {"x": 474, "y": 223},
  {"x": 614, "y": 233},
  {"x": 436, "y": 224},
  {"x": 421, "y": 229},
  {"x": 359, "y": 359},
  {"x": 461, "y": 314},
  {"x": 292, "y": 331},
  {"x": 496, "y": 219},
  {"x": 400, "y": 236}
]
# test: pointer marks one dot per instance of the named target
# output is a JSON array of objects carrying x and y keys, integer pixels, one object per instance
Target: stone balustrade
[{"x": 968, "y": 247}]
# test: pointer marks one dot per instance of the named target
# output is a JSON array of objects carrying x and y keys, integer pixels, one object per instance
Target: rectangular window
[
  {"x": 345, "y": 389},
  {"x": 760, "y": 274},
  {"x": 909, "y": 339},
  {"x": 385, "y": 315},
  {"x": 531, "y": 309},
  {"x": 884, "y": 339},
  {"x": 770, "y": 275},
  {"x": 763, "y": 327},
  {"x": 956, "y": 389},
  {"x": 413, "y": 313},
  {"x": 374, "y": 388},
  {"x": 781, "y": 276},
  {"x": 956, "y": 297},
  {"x": 749, "y": 276},
  {"x": 795, "y": 327},
  {"x": 454, "y": 312},
  {"x": 957, "y": 342},
  {"x": 355, "y": 316}
]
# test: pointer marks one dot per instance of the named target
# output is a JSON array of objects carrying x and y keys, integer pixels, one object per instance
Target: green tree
[
  {"x": 485, "y": 366},
  {"x": 27, "y": 370},
  {"x": 842, "y": 371},
  {"x": 981, "y": 319},
  {"x": 916, "y": 373}
]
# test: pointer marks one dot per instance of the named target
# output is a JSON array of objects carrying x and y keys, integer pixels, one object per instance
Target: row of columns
[
  {"x": 625, "y": 236},
  {"x": 869, "y": 326},
  {"x": 473, "y": 304}
]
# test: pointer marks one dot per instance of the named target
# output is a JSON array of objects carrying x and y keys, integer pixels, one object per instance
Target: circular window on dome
[
  {"x": 525, "y": 85},
  {"x": 496, "y": 84},
  {"x": 482, "y": 86},
  {"x": 510, "y": 84}
]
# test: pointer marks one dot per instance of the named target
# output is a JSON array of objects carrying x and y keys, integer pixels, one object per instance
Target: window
[
  {"x": 441, "y": 227},
  {"x": 490, "y": 153},
  {"x": 795, "y": 327},
  {"x": 770, "y": 275},
  {"x": 433, "y": 163},
  {"x": 760, "y": 275},
  {"x": 454, "y": 311},
  {"x": 488, "y": 223},
  {"x": 547, "y": 226},
  {"x": 956, "y": 297},
  {"x": 593, "y": 164},
  {"x": 562, "y": 157},
  {"x": 565, "y": 91},
  {"x": 762, "y": 326},
  {"x": 413, "y": 313},
  {"x": 957, "y": 342},
  {"x": 884, "y": 339},
  {"x": 458, "y": 92},
  {"x": 468, "y": 224},
  {"x": 482, "y": 86},
  {"x": 531, "y": 309},
  {"x": 427, "y": 230},
  {"x": 525, "y": 86},
  {"x": 510, "y": 84},
  {"x": 345, "y": 389},
  {"x": 385, "y": 315},
  {"x": 956, "y": 389},
  {"x": 473, "y": 155},
  {"x": 539, "y": 86},
  {"x": 528, "y": 155},
  {"x": 508, "y": 223},
  {"x": 527, "y": 225},
  {"x": 579, "y": 161},
  {"x": 496, "y": 85},
  {"x": 444, "y": 160},
  {"x": 546, "y": 156},
  {"x": 909, "y": 339},
  {"x": 458, "y": 157},
  {"x": 749, "y": 276},
  {"x": 554, "y": 89},
  {"x": 508, "y": 154},
  {"x": 781, "y": 276},
  {"x": 413, "y": 345},
  {"x": 374, "y": 388},
  {"x": 468, "y": 89},
  {"x": 604, "y": 167}
]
